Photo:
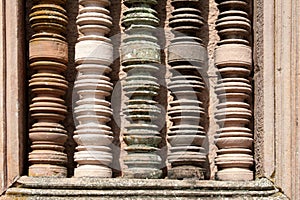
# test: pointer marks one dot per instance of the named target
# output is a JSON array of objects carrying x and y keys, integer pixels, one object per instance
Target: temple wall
[{"x": 275, "y": 85}]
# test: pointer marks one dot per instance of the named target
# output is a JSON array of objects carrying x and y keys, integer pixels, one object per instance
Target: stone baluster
[
  {"x": 186, "y": 56},
  {"x": 140, "y": 56},
  {"x": 233, "y": 58},
  {"x": 48, "y": 57},
  {"x": 93, "y": 56}
]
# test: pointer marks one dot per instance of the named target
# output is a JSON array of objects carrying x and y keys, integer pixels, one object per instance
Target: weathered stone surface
[
  {"x": 264, "y": 43},
  {"x": 233, "y": 57},
  {"x": 187, "y": 57},
  {"x": 77, "y": 188},
  {"x": 48, "y": 56},
  {"x": 12, "y": 92},
  {"x": 93, "y": 56},
  {"x": 140, "y": 58}
]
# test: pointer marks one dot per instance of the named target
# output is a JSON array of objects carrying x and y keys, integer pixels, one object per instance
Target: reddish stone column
[
  {"x": 187, "y": 56},
  {"x": 233, "y": 58},
  {"x": 48, "y": 56}
]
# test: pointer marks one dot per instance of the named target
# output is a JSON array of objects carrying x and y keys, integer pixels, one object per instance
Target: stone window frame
[
  {"x": 276, "y": 69},
  {"x": 12, "y": 92}
]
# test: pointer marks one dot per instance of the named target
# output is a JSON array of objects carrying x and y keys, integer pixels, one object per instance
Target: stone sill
[{"x": 118, "y": 188}]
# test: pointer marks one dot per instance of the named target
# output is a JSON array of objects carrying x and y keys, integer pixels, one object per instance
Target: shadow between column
[
  {"x": 115, "y": 36},
  {"x": 72, "y": 8}
]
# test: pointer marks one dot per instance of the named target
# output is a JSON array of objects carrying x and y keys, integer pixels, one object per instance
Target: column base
[
  {"x": 93, "y": 171},
  {"x": 43, "y": 170},
  {"x": 235, "y": 174},
  {"x": 142, "y": 173},
  {"x": 186, "y": 172}
]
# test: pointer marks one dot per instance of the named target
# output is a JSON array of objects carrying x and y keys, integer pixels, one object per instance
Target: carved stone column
[
  {"x": 93, "y": 57},
  {"x": 48, "y": 56},
  {"x": 140, "y": 56},
  {"x": 186, "y": 55},
  {"x": 233, "y": 58}
]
